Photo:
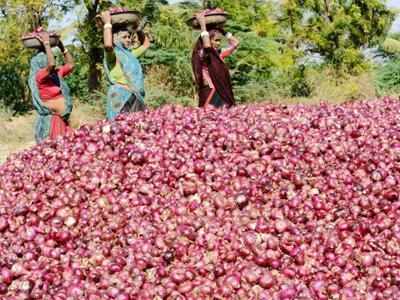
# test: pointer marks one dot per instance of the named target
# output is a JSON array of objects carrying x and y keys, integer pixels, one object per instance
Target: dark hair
[
  {"x": 119, "y": 27},
  {"x": 213, "y": 31},
  {"x": 196, "y": 59}
]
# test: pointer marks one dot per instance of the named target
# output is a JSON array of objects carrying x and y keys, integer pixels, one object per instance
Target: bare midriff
[{"x": 56, "y": 105}]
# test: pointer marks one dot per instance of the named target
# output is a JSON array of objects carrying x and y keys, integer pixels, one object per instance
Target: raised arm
[
  {"x": 68, "y": 59},
  {"x": 44, "y": 38},
  {"x": 233, "y": 44},
  {"x": 233, "y": 41},
  {"x": 204, "y": 33},
  {"x": 146, "y": 43},
  {"x": 141, "y": 49},
  {"x": 107, "y": 31}
]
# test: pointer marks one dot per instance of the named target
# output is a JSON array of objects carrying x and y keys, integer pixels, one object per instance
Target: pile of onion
[{"x": 254, "y": 202}]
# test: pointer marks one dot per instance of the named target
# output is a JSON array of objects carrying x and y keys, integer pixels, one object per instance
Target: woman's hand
[
  {"x": 146, "y": 42},
  {"x": 201, "y": 18},
  {"x": 61, "y": 45},
  {"x": 107, "y": 31},
  {"x": 106, "y": 17},
  {"x": 44, "y": 37}
]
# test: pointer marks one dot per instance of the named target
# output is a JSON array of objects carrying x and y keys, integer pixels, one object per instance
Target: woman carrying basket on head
[
  {"x": 211, "y": 74},
  {"x": 50, "y": 94},
  {"x": 124, "y": 72}
]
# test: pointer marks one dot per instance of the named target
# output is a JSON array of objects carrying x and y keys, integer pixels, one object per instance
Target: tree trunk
[
  {"x": 95, "y": 57},
  {"x": 94, "y": 53},
  {"x": 328, "y": 11}
]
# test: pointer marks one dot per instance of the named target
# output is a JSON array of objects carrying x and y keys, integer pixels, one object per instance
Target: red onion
[
  {"x": 255, "y": 202},
  {"x": 266, "y": 280}
]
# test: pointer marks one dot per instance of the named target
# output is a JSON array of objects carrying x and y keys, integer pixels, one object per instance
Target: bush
[
  {"x": 160, "y": 89},
  {"x": 388, "y": 77},
  {"x": 13, "y": 88},
  {"x": 326, "y": 85}
]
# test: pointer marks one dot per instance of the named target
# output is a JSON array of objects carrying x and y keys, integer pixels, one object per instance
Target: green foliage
[
  {"x": 261, "y": 61},
  {"x": 77, "y": 82},
  {"x": 16, "y": 18},
  {"x": 252, "y": 15},
  {"x": 14, "y": 60},
  {"x": 91, "y": 39},
  {"x": 391, "y": 46},
  {"x": 151, "y": 9},
  {"x": 257, "y": 57},
  {"x": 337, "y": 29},
  {"x": 387, "y": 79},
  {"x": 327, "y": 85},
  {"x": 12, "y": 88},
  {"x": 264, "y": 66},
  {"x": 299, "y": 86},
  {"x": 173, "y": 41},
  {"x": 268, "y": 65}
]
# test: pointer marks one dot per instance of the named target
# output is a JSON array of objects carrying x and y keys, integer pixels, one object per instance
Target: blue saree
[
  {"x": 43, "y": 121},
  {"x": 119, "y": 98}
]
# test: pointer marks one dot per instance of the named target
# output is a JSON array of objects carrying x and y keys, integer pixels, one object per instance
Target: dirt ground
[{"x": 16, "y": 133}]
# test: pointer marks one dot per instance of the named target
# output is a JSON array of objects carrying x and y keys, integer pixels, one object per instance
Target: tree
[
  {"x": 336, "y": 29},
  {"x": 16, "y": 18},
  {"x": 91, "y": 39}
]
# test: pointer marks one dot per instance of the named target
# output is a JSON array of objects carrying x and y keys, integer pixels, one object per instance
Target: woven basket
[
  {"x": 33, "y": 43},
  {"x": 213, "y": 19},
  {"x": 129, "y": 18}
]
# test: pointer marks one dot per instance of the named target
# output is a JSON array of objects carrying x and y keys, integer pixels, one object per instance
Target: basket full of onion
[
  {"x": 123, "y": 17},
  {"x": 31, "y": 41},
  {"x": 214, "y": 17}
]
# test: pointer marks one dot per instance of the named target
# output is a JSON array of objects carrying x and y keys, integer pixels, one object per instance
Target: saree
[
  {"x": 219, "y": 75},
  {"x": 48, "y": 123},
  {"x": 122, "y": 99},
  {"x": 206, "y": 92}
]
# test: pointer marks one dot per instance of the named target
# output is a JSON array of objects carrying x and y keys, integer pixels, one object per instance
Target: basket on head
[
  {"x": 215, "y": 17},
  {"x": 31, "y": 41},
  {"x": 122, "y": 17}
]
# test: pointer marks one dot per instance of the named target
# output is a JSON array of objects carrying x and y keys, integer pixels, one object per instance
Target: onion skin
[
  {"x": 266, "y": 280},
  {"x": 254, "y": 202}
]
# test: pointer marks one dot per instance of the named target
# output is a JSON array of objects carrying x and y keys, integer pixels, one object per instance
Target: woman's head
[
  {"x": 124, "y": 37},
  {"x": 39, "y": 61},
  {"x": 215, "y": 38}
]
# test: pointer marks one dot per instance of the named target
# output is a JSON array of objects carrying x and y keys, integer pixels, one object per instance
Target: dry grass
[
  {"x": 336, "y": 91},
  {"x": 327, "y": 88},
  {"x": 16, "y": 133}
]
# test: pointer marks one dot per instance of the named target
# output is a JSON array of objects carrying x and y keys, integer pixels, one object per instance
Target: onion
[
  {"x": 266, "y": 280},
  {"x": 233, "y": 282},
  {"x": 6, "y": 276},
  {"x": 254, "y": 202},
  {"x": 3, "y": 223}
]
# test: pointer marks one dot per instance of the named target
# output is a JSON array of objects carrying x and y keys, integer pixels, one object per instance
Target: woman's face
[
  {"x": 126, "y": 39},
  {"x": 216, "y": 40}
]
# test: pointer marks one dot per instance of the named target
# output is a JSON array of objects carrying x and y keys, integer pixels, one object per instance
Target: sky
[
  {"x": 396, "y": 24},
  {"x": 394, "y": 3}
]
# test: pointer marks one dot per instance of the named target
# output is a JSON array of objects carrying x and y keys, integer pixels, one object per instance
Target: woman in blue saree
[
  {"x": 50, "y": 93},
  {"x": 123, "y": 70}
]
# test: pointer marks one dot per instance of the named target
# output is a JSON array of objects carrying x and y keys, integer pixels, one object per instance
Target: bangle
[
  {"x": 107, "y": 25},
  {"x": 204, "y": 33},
  {"x": 228, "y": 35}
]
